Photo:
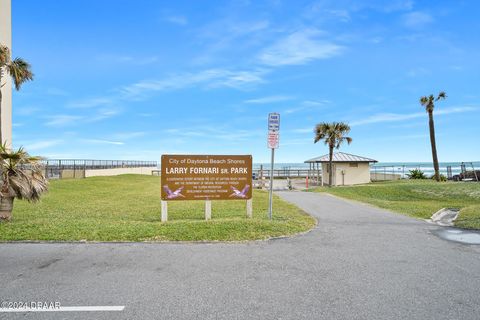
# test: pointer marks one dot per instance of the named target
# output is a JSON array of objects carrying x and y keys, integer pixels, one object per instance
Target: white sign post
[{"x": 272, "y": 142}]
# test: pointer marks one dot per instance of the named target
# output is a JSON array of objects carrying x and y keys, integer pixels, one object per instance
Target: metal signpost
[{"x": 272, "y": 142}]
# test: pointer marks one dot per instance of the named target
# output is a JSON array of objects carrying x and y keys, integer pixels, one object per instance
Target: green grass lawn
[
  {"x": 127, "y": 208},
  {"x": 418, "y": 198}
]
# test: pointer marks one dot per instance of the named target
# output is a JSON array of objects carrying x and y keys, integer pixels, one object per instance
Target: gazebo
[{"x": 348, "y": 169}]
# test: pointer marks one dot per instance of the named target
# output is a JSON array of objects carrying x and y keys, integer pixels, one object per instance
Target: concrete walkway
[{"x": 359, "y": 263}]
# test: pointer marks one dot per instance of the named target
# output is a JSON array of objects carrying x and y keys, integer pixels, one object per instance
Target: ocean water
[{"x": 388, "y": 167}]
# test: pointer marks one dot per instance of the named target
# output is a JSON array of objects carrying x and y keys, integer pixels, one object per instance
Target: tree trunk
[
  {"x": 330, "y": 162},
  {"x": 6, "y": 207},
  {"x": 434, "y": 145}
]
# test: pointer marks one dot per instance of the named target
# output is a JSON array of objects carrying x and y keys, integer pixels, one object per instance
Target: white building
[
  {"x": 6, "y": 39},
  {"x": 348, "y": 169}
]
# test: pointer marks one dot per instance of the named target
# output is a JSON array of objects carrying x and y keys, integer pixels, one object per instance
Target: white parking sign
[{"x": 273, "y": 122}]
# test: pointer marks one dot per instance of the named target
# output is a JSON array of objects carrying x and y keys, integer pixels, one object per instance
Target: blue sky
[{"x": 137, "y": 79}]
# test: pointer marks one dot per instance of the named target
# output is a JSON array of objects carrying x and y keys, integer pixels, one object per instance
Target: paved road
[{"x": 359, "y": 263}]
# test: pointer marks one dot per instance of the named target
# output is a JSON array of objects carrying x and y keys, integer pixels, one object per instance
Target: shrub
[
  {"x": 416, "y": 174},
  {"x": 443, "y": 177},
  {"x": 21, "y": 177}
]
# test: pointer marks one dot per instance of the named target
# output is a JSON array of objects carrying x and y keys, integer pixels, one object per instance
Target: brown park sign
[{"x": 206, "y": 177}]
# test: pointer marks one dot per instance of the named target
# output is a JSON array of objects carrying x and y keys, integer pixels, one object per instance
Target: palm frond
[
  {"x": 442, "y": 95},
  {"x": 423, "y": 101},
  {"x": 20, "y": 71},
  {"x": 321, "y": 130},
  {"x": 4, "y": 55},
  {"x": 22, "y": 175},
  {"x": 333, "y": 133}
]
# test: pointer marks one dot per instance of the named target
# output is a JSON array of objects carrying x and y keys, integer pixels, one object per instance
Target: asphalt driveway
[{"x": 359, "y": 263}]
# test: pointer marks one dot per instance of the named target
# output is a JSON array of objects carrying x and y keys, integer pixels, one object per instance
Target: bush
[
  {"x": 443, "y": 177},
  {"x": 416, "y": 174}
]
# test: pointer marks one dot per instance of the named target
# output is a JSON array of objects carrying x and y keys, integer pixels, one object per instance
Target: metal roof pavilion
[{"x": 340, "y": 157}]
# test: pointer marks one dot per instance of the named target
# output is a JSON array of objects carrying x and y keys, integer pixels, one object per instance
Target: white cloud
[
  {"x": 226, "y": 30},
  {"x": 26, "y": 111},
  {"x": 392, "y": 117},
  {"x": 91, "y": 103},
  {"x": 303, "y": 130},
  {"x": 99, "y": 141},
  {"x": 56, "y": 92},
  {"x": 417, "y": 19},
  {"x": 386, "y": 117},
  {"x": 223, "y": 134},
  {"x": 307, "y": 105},
  {"x": 210, "y": 78},
  {"x": 227, "y": 37},
  {"x": 314, "y": 103},
  {"x": 62, "y": 120},
  {"x": 293, "y": 110},
  {"x": 296, "y": 142},
  {"x": 102, "y": 114},
  {"x": 269, "y": 99},
  {"x": 128, "y": 135},
  {"x": 401, "y": 137},
  {"x": 455, "y": 110},
  {"x": 38, "y": 145},
  {"x": 126, "y": 59},
  {"x": 300, "y": 47}
]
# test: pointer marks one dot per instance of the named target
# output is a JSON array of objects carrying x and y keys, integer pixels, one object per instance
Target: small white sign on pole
[
  {"x": 273, "y": 122},
  {"x": 273, "y": 140}
]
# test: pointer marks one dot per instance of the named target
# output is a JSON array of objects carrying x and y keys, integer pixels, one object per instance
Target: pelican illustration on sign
[
  {"x": 173, "y": 194},
  {"x": 240, "y": 194}
]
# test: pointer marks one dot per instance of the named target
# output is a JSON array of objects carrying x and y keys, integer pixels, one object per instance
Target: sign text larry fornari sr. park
[{"x": 206, "y": 177}]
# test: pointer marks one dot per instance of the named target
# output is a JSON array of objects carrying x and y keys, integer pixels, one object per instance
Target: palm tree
[
  {"x": 21, "y": 177},
  {"x": 18, "y": 69},
  {"x": 429, "y": 104},
  {"x": 334, "y": 134}
]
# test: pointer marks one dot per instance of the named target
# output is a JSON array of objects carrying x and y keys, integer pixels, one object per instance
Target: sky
[{"x": 117, "y": 79}]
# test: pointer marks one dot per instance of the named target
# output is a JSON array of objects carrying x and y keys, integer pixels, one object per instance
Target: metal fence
[
  {"x": 284, "y": 173},
  {"x": 461, "y": 171},
  {"x": 452, "y": 171},
  {"x": 75, "y": 168}
]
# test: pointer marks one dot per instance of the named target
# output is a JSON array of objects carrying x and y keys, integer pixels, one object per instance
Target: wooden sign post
[
  {"x": 208, "y": 210},
  {"x": 164, "y": 211}
]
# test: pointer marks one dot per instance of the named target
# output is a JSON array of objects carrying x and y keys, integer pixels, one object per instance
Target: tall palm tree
[
  {"x": 333, "y": 134},
  {"x": 18, "y": 69},
  {"x": 429, "y": 104}
]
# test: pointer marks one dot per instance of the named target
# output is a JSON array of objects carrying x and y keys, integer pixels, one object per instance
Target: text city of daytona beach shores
[{"x": 206, "y": 177}]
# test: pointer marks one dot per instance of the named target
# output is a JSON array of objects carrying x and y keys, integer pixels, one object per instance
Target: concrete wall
[
  {"x": 352, "y": 175},
  {"x": 379, "y": 176},
  {"x": 117, "y": 171},
  {"x": 72, "y": 174},
  {"x": 6, "y": 39}
]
